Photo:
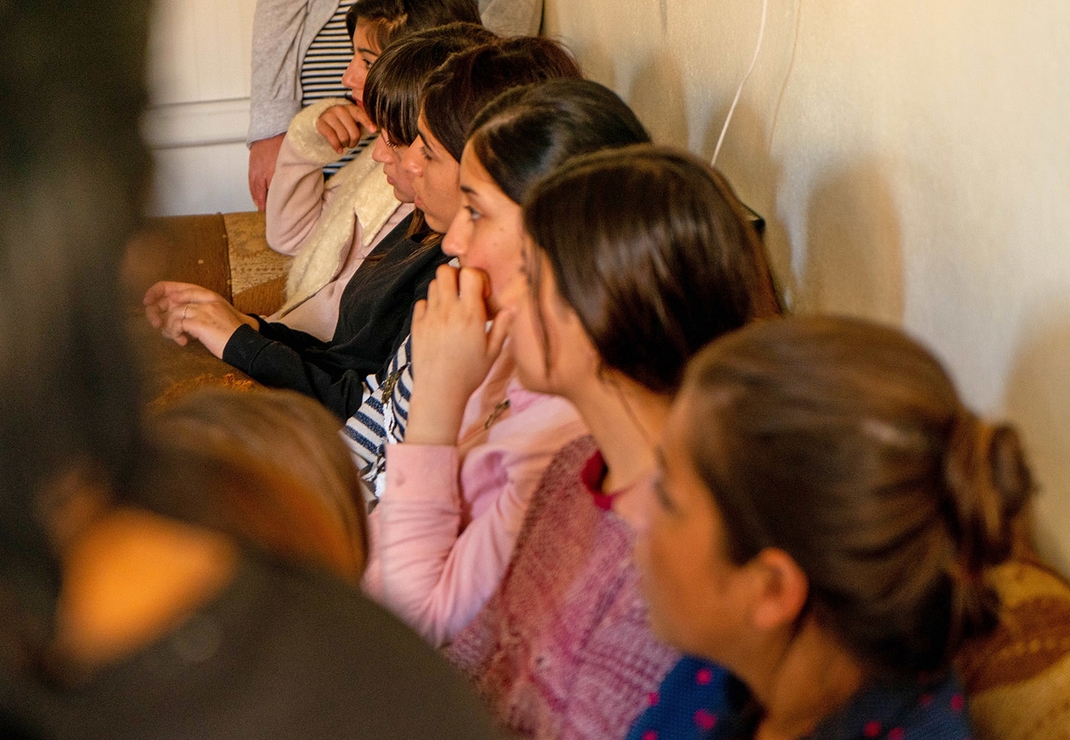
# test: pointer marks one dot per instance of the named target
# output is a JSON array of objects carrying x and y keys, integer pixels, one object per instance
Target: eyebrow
[
  {"x": 469, "y": 190},
  {"x": 423, "y": 137},
  {"x": 365, "y": 50}
]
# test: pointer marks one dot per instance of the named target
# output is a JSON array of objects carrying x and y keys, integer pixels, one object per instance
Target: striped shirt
[
  {"x": 381, "y": 418},
  {"x": 321, "y": 72}
]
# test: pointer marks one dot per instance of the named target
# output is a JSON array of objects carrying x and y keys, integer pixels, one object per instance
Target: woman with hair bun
[{"x": 820, "y": 526}]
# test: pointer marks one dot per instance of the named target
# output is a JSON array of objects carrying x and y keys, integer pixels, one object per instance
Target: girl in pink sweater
[
  {"x": 635, "y": 259},
  {"x": 477, "y": 442},
  {"x": 468, "y": 472}
]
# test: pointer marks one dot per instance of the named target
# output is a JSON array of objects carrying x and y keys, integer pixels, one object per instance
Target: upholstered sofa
[
  {"x": 1018, "y": 678},
  {"x": 226, "y": 253}
]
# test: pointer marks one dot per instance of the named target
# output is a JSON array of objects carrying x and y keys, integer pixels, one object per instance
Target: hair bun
[{"x": 988, "y": 483}]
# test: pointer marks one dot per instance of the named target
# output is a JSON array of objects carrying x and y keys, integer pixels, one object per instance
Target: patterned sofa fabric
[{"x": 1018, "y": 677}]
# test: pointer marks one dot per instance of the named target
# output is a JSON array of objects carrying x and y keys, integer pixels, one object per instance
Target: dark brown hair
[
  {"x": 527, "y": 131},
  {"x": 267, "y": 467},
  {"x": 392, "y": 90},
  {"x": 391, "y": 20},
  {"x": 654, "y": 253},
  {"x": 844, "y": 443},
  {"x": 459, "y": 89}
]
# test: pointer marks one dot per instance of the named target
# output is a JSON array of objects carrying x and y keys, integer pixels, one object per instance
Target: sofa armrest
[
  {"x": 226, "y": 253},
  {"x": 187, "y": 249},
  {"x": 258, "y": 275},
  {"x": 1018, "y": 677}
]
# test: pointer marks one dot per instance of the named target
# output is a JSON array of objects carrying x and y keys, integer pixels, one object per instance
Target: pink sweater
[
  {"x": 445, "y": 527},
  {"x": 562, "y": 649}
]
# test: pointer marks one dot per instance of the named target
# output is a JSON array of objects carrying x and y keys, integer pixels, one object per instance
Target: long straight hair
[
  {"x": 457, "y": 91},
  {"x": 306, "y": 502},
  {"x": 524, "y": 133}
]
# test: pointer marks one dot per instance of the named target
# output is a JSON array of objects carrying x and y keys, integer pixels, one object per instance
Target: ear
[{"x": 782, "y": 589}]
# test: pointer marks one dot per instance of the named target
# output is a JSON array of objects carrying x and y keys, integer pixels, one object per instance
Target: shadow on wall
[
  {"x": 756, "y": 181},
  {"x": 657, "y": 96},
  {"x": 1038, "y": 401},
  {"x": 594, "y": 62},
  {"x": 854, "y": 255}
]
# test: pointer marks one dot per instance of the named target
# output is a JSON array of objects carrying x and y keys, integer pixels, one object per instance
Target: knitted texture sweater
[
  {"x": 563, "y": 649},
  {"x": 325, "y": 221}
]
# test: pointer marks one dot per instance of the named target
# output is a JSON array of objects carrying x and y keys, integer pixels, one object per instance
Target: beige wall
[
  {"x": 911, "y": 160},
  {"x": 199, "y": 61}
]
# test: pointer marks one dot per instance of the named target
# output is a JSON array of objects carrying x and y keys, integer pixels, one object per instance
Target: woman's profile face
[
  {"x": 697, "y": 597},
  {"x": 435, "y": 175},
  {"x": 552, "y": 351},
  {"x": 365, "y": 52},
  {"x": 390, "y": 156},
  {"x": 488, "y": 230}
]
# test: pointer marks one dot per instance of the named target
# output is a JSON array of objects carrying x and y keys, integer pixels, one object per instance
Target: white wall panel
[
  {"x": 200, "y": 54},
  {"x": 201, "y": 179}
]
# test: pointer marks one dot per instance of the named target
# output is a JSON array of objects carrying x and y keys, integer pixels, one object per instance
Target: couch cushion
[
  {"x": 1018, "y": 677},
  {"x": 255, "y": 270}
]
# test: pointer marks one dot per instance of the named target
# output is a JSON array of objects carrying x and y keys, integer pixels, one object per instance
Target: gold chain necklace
[{"x": 497, "y": 411}]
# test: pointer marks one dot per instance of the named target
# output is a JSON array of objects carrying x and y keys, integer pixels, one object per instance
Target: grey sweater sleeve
[
  {"x": 282, "y": 32},
  {"x": 512, "y": 17}
]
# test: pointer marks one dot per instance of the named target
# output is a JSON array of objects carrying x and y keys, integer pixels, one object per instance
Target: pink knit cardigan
[{"x": 563, "y": 650}]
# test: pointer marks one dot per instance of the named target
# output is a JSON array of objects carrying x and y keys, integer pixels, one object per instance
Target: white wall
[
  {"x": 911, "y": 160},
  {"x": 199, "y": 60}
]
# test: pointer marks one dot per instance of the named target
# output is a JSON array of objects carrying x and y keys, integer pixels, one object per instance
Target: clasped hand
[
  {"x": 344, "y": 126},
  {"x": 452, "y": 352},
  {"x": 182, "y": 310}
]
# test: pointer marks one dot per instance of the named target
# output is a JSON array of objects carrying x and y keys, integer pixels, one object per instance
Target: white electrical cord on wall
[{"x": 739, "y": 90}]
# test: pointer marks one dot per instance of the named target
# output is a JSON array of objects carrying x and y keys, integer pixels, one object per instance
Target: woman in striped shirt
[{"x": 301, "y": 48}]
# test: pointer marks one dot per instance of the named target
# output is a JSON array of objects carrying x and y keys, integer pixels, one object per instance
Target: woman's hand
[
  {"x": 344, "y": 125},
  {"x": 452, "y": 352},
  {"x": 263, "y": 155},
  {"x": 182, "y": 310}
]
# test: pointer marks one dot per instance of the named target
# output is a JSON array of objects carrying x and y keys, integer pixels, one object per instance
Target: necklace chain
[{"x": 497, "y": 411}]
